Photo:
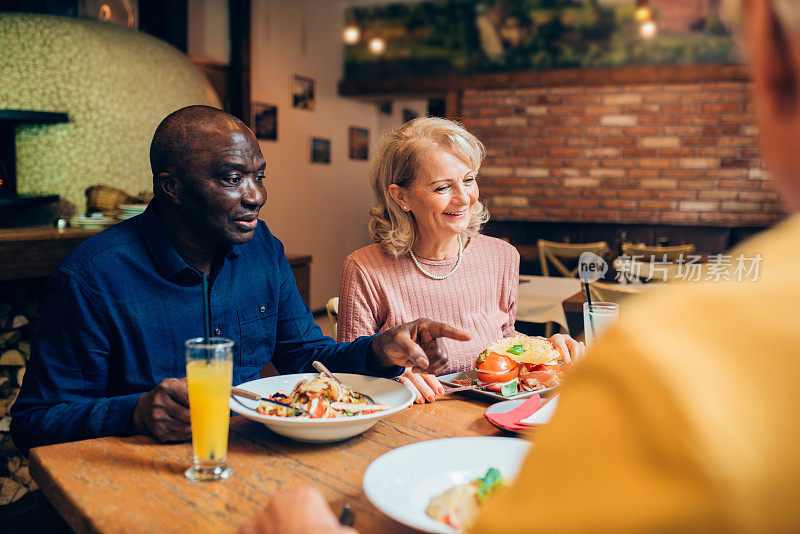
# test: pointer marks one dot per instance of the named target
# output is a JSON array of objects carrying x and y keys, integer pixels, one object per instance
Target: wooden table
[{"x": 135, "y": 484}]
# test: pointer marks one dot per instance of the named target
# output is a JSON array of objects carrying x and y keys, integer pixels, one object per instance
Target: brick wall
[{"x": 649, "y": 153}]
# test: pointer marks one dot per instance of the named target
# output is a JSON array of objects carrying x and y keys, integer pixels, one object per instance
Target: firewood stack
[{"x": 18, "y": 310}]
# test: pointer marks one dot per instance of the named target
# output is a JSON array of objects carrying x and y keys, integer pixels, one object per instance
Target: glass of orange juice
[{"x": 209, "y": 367}]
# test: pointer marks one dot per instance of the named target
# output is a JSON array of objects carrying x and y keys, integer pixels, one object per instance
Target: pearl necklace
[{"x": 434, "y": 276}]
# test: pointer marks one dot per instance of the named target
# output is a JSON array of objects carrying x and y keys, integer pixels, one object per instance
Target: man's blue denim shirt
[{"x": 114, "y": 318}]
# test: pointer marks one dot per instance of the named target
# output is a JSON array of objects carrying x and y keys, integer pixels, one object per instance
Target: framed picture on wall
[
  {"x": 302, "y": 92},
  {"x": 265, "y": 121},
  {"x": 359, "y": 143},
  {"x": 320, "y": 150}
]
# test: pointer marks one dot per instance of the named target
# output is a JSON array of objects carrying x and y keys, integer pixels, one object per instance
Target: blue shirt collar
[{"x": 169, "y": 263}]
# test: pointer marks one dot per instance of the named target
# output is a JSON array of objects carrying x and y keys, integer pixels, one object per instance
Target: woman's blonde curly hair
[{"x": 399, "y": 157}]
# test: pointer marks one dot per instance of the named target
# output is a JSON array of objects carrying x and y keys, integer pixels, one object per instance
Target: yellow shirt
[{"x": 684, "y": 418}]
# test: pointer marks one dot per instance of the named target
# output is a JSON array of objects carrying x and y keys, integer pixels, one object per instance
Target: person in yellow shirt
[{"x": 694, "y": 398}]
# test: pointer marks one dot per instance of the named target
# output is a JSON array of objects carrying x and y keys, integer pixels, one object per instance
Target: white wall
[{"x": 313, "y": 208}]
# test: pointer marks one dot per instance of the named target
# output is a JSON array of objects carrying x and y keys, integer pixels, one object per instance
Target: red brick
[
  {"x": 639, "y": 152},
  {"x": 641, "y": 131},
  {"x": 604, "y": 131},
  {"x": 720, "y": 108},
  {"x": 678, "y": 152},
  {"x": 602, "y": 110},
  {"x": 645, "y": 173},
  {"x": 758, "y": 195},
  {"x": 698, "y": 120},
  {"x": 636, "y": 193},
  {"x": 657, "y": 163},
  {"x": 582, "y": 203},
  {"x": 658, "y": 120},
  {"x": 619, "y": 141},
  {"x": 677, "y": 194},
  {"x": 583, "y": 142},
  {"x": 679, "y": 108},
  {"x": 694, "y": 98},
  {"x": 662, "y": 98},
  {"x": 564, "y": 131},
  {"x": 581, "y": 121},
  {"x": 657, "y": 204}
]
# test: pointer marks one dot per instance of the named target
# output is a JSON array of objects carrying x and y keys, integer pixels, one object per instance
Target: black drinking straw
[
  {"x": 206, "y": 311},
  {"x": 589, "y": 301}
]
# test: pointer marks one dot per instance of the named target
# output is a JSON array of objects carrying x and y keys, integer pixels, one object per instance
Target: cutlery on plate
[
  {"x": 462, "y": 388},
  {"x": 319, "y": 366},
  {"x": 256, "y": 397}
]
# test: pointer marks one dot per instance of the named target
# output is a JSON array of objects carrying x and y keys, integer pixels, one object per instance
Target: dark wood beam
[
  {"x": 443, "y": 85},
  {"x": 166, "y": 20},
  {"x": 239, "y": 81}
]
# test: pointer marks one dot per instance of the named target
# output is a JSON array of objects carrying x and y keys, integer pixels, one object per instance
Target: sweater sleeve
[
  {"x": 511, "y": 287},
  {"x": 358, "y": 304}
]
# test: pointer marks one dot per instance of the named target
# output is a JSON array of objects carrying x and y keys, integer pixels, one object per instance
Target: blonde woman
[{"x": 429, "y": 258}]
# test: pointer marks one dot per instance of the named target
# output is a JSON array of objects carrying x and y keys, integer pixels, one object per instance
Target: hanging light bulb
[
  {"x": 648, "y": 29},
  {"x": 643, "y": 12},
  {"x": 351, "y": 34},
  {"x": 377, "y": 45}
]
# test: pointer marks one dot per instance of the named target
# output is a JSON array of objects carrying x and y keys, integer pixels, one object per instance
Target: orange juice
[{"x": 209, "y": 390}]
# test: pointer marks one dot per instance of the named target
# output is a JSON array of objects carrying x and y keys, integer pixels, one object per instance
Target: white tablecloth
[{"x": 540, "y": 298}]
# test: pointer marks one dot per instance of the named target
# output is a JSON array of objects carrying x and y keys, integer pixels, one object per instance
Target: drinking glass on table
[
  {"x": 597, "y": 318},
  {"x": 209, "y": 367}
]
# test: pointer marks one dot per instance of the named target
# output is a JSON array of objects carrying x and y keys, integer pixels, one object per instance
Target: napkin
[
  {"x": 531, "y": 413},
  {"x": 511, "y": 420}
]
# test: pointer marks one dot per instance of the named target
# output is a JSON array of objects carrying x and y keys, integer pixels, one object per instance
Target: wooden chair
[
  {"x": 552, "y": 252},
  {"x": 672, "y": 253},
  {"x": 605, "y": 292},
  {"x": 332, "y": 307}
]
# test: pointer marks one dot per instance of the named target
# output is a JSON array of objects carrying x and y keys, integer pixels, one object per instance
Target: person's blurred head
[
  {"x": 208, "y": 174},
  {"x": 769, "y": 33},
  {"x": 428, "y": 166}
]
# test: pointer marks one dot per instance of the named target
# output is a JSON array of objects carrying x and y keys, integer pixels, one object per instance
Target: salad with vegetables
[
  {"x": 459, "y": 506},
  {"x": 320, "y": 397}
]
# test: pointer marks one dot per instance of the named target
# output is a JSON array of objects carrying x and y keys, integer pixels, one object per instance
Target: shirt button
[
  {"x": 217, "y": 331},
  {"x": 262, "y": 309}
]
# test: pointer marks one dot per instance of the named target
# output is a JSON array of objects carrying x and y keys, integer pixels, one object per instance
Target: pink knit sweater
[{"x": 378, "y": 292}]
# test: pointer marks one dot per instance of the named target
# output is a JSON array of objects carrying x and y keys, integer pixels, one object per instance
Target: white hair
[{"x": 400, "y": 156}]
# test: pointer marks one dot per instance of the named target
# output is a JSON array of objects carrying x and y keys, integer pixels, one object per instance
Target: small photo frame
[
  {"x": 265, "y": 121},
  {"x": 302, "y": 92},
  {"x": 409, "y": 115},
  {"x": 320, "y": 150},
  {"x": 359, "y": 143}
]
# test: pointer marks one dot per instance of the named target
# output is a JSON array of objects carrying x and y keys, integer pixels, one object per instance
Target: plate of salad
[{"x": 414, "y": 483}]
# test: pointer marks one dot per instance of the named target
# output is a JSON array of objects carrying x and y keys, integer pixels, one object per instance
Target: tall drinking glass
[
  {"x": 597, "y": 318},
  {"x": 209, "y": 367}
]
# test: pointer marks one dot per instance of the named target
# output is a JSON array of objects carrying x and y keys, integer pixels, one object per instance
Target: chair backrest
[
  {"x": 605, "y": 292},
  {"x": 672, "y": 253},
  {"x": 552, "y": 252},
  {"x": 332, "y": 307}
]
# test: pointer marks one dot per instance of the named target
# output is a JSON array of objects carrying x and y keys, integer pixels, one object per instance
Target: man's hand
[
  {"x": 302, "y": 510},
  {"x": 164, "y": 411},
  {"x": 416, "y": 345}
]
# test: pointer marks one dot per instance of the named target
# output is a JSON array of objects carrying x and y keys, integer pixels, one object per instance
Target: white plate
[
  {"x": 384, "y": 391},
  {"x": 473, "y": 375},
  {"x": 402, "y": 482},
  {"x": 539, "y": 417}
]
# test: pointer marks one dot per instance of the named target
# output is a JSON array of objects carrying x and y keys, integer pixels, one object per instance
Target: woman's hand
[
  {"x": 425, "y": 386},
  {"x": 571, "y": 350}
]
